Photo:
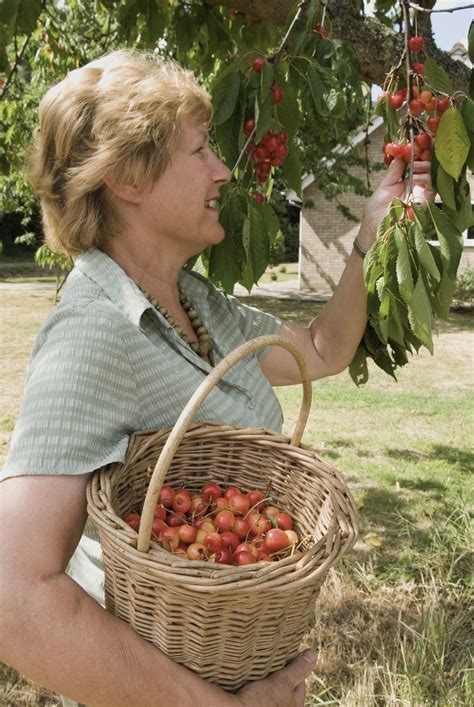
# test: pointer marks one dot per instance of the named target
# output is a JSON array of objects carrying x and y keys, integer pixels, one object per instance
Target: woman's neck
[{"x": 155, "y": 273}]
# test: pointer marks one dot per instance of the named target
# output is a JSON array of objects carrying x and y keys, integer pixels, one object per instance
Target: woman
[{"x": 129, "y": 184}]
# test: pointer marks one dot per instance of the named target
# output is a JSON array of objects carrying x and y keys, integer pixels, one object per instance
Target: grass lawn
[{"x": 393, "y": 625}]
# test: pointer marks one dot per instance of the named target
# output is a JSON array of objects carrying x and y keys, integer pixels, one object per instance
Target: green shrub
[{"x": 465, "y": 287}]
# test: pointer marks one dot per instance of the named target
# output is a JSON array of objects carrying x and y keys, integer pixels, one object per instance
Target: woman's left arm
[{"x": 331, "y": 339}]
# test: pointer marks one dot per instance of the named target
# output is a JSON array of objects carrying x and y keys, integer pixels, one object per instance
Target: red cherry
[
  {"x": 256, "y": 497},
  {"x": 407, "y": 153},
  {"x": 402, "y": 92},
  {"x": 247, "y": 547},
  {"x": 243, "y": 558},
  {"x": 419, "y": 69},
  {"x": 282, "y": 137},
  {"x": 249, "y": 126},
  {"x": 182, "y": 501},
  {"x": 258, "y": 64},
  {"x": 167, "y": 495},
  {"x": 423, "y": 140},
  {"x": 264, "y": 169},
  {"x": 284, "y": 521},
  {"x": 261, "y": 153},
  {"x": 170, "y": 538},
  {"x": 277, "y": 94},
  {"x": 133, "y": 520},
  {"x": 388, "y": 159},
  {"x": 416, "y": 107},
  {"x": 224, "y": 557},
  {"x": 431, "y": 106},
  {"x": 239, "y": 504},
  {"x": 224, "y": 520},
  {"x": 230, "y": 491},
  {"x": 258, "y": 196},
  {"x": 211, "y": 491},
  {"x": 187, "y": 533},
  {"x": 272, "y": 143},
  {"x": 276, "y": 540},
  {"x": 282, "y": 151},
  {"x": 160, "y": 512},
  {"x": 230, "y": 540},
  {"x": 213, "y": 542},
  {"x": 395, "y": 101},
  {"x": 433, "y": 123},
  {"x": 426, "y": 97},
  {"x": 175, "y": 519},
  {"x": 410, "y": 213},
  {"x": 277, "y": 161},
  {"x": 416, "y": 44},
  {"x": 158, "y": 526},
  {"x": 443, "y": 105},
  {"x": 241, "y": 525}
]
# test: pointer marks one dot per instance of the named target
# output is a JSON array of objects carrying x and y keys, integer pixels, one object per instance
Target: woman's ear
[{"x": 126, "y": 192}]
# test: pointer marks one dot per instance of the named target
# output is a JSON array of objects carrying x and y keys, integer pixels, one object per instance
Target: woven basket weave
[{"x": 229, "y": 624}]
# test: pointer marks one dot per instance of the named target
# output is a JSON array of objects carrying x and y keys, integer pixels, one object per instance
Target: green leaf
[
  {"x": 404, "y": 273},
  {"x": 227, "y": 135},
  {"x": 288, "y": 111},
  {"x": 420, "y": 316},
  {"x": 28, "y": 13},
  {"x": 247, "y": 276},
  {"x": 225, "y": 93},
  {"x": 358, "y": 368},
  {"x": 266, "y": 79},
  {"x": 9, "y": 12},
  {"x": 156, "y": 20},
  {"x": 438, "y": 77},
  {"x": 425, "y": 256},
  {"x": 470, "y": 42},
  {"x": 444, "y": 293},
  {"x": 449, "y": 237},
  {"x": 225, "y": 258},
  {"x": 263, "y": 117},
  {"x": 395, "y": 327},
  {"x": 452, "y": 142},
  {"x": 259, "y": 245},
  {"x": 445, "y": 188},
  {"x": 270, "y": 218},
  {"x": 462, "y": 217},
  {"x": 317, "y": 89},
  {"x": 291, "y": 168}
]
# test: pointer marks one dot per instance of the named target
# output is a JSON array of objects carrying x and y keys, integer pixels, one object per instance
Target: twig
[
  {"x": 14, "y": 69},
  {"x": 414, "y": 6}
]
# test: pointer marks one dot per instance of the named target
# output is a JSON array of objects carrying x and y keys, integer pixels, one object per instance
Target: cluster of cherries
[
  {"x": 226, "y": 527},
  {"x": 270, "y": 152}
]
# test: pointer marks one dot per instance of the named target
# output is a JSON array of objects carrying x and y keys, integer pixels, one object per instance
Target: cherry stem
[{"x": 409, "y": 71}]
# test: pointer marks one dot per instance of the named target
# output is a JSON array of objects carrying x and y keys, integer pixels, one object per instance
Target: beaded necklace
[{"x": 205, "y": 344}]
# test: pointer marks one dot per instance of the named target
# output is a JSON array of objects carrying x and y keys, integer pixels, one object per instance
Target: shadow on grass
[{"x": 462, "y": 459}]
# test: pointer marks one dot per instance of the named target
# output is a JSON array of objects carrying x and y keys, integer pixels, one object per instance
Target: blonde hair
[{"x": 117, "y": 115}]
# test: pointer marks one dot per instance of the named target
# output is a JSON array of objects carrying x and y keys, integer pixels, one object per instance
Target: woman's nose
[{"x": 221, "y": 172}]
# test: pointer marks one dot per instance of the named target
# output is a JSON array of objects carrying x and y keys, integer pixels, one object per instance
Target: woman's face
[{"x": 182, "y": 206}]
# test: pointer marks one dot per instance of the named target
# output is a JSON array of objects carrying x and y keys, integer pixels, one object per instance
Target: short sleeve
[
  {"x": 80, "y": 403},
  {"x": 252, "y": 322}
]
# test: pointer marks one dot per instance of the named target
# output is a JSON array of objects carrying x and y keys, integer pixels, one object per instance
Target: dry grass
[{"x": 393, "y": 625}]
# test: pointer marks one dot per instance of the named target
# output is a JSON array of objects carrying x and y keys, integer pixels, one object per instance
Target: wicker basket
[{"x": 229, "y": 624}]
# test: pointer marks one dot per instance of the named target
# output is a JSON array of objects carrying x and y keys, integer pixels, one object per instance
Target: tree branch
[{"x": 367, "y": 37}]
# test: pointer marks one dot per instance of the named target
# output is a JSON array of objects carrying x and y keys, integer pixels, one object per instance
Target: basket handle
[{"x": 185, "y": 419}]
